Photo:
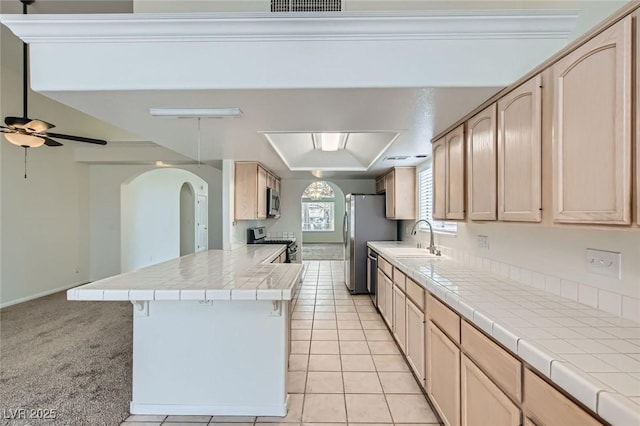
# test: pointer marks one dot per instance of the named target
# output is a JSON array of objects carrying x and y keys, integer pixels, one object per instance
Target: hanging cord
[
  {"x": 25, "y": 161},
  {"x": 198, "y": 141}
]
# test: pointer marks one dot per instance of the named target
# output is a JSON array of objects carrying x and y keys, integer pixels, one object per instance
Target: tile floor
[{"x": 344, "y": 365}]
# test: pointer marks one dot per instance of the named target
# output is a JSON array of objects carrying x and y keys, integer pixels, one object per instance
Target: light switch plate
[
  {"x": 608, "y": 263},
  {"x": 483, "y": 242}
]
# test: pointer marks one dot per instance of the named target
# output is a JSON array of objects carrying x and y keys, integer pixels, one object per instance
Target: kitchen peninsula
[{"x": 210, "y": 331}]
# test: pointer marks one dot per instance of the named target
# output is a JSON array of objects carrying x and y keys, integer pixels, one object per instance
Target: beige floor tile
[
  {"x": 301, "y": 324},
  {"x": 188, "y": 419},
  {"x": 342, "y": 299},
  {"x": 324, "y": 363},
  {"x": 348, "y": 347},
  {"x": 390, "y": 363},
  {"x": 324, "y": 424},
  {"x": 378, "y": 335},
  {"x": 298, "y": 362},
  {"x": 349, "y": 325},
  {"x": 144, "y": 418},
  {"x": 324, "y": 324},
  {"x": 327, "y": 301},
  {"x": 303, "y": 308},
  {"x": 326, "y": 309},
  {"x": 361, "y": 382},
  {"x": 296, "y": 381},
  {"x": 324, "y": 408},
  {"x": 345, "y": 308},
  {"x": 357, "y": 363},
  {"x": 396, "y": 382},
  {"x": 349, "y": 316},
  {"x": 324, "y": 382},
  {"x": 300, "y": 346},
  {"x": 325, "y": 347},
  {"x": 302, "y": 316},
  {"x": 373, "y": 325},
  {"x": 368, "y": 316},
  {"x": 324, "y": 335},
  {"x": 410, "y": 409},
  {"x": 366, "y": 309},
  {"x": 351, "y": 335},
  {"x": 294, "y": 414},
  {"x": 383, "y": 348},
  {"x": 300, "y": 334},
  {"x": 370, "y": 424},
  {"x": 235, "y": 424},
  {"x": 360, "y": 301},
  {"x": 367, "y": 408},
  {"x": 325, "y": 316},
  {"x": 306, "y": 301}
]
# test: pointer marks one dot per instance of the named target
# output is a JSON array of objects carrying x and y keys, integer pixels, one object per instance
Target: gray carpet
[
  {"x": 73, "y": 357},
  {"x": 322, "y": 251}
]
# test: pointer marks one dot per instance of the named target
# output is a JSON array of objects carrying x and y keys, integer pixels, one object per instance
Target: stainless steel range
[{"x": 258, "y": 235}]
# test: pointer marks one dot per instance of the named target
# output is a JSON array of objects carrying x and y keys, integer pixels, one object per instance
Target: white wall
[
  {"x": 336, "y": 235},
  {"x": 105, "y": 181}
]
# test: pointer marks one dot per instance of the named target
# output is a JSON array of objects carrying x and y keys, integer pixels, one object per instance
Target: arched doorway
[
  {"x": 187, "y": 216},
  {"x": 322, "y": 206}
]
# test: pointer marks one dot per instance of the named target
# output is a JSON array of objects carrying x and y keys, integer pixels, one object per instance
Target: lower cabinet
[
  {"x": 388, "y": 301},
  {"x": 381, "y": 299},
  {"x": 443, "y": 375},
  {"x": 483, "y": 403},
  {"x": 414, "y": 345},
  {"x": 399, "y": 317}
]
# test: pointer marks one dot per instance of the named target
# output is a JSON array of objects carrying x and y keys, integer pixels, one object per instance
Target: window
[
  {"x": 318, "y": 208},
  {"x": 425, "y": 202}
]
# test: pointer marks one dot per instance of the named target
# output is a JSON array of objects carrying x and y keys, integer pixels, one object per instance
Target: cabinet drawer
[
  {"x": 415, "y": 293},
  {"x": 385, "y": 266},
  {"x": 498, "y": 364},
  {"x": 547, "y": 406},
  {"x": 399, "y": 279},
  {"x": 445, "y": 318}
]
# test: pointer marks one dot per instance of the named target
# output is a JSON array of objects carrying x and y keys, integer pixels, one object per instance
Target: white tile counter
[
  {"x": 591, "y": 354},
  {"x": 245, "y": 273}
]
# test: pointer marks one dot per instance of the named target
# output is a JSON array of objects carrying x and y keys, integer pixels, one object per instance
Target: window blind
[
  {"x": 425, "y": 203},
  {"x": 306, "y": 5}
]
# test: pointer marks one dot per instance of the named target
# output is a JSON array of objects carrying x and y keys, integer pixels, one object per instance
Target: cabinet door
[
  {"x": 388, "y": 301},
  {"x": 415, "y": 339},
  {"x": 439, "y": 177},
  {"x": 245, "y": 191},
  {"x": 390, "y": 198},
  {"x": 637, "y": 110},
  {"x": 592, "y": 130},
  {"x": 399, "y": 317},
  {"x": 380, "y": 185},
  {"x": 443, "y": 375},
  {"x": 262, "y": 193},
  {"x": 481, "y": 165},
  {"x": 455, "y": 197},
  {"x": 483, "y": 403},
  {"x": 520, "y": 153},
  {"x": 381, "y": 294}
]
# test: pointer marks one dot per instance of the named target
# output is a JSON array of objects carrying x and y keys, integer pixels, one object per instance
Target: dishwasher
[{"x": 372, "y": 275}]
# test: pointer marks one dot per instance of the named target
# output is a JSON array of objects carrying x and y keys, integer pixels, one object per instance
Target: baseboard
[
  {"x": 208, "y": 410},
  {"x": 38, "y": 295}
]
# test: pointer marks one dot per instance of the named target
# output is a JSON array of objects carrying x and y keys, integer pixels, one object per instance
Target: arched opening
[
  {"x": 187, "y": 216},
  {"x": 322, "y": 206}
]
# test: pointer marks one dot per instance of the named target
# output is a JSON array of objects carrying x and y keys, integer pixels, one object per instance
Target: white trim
[
  {"x": 210, "y": 410},
  {"x": 42, "y": 294},
  {"x": 160, "y": 27}
]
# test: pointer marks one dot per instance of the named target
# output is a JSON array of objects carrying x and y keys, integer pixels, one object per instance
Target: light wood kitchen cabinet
[
  {"x": 251, "y": 181},
  {"x": 448, "y": 176},
  {"x": 483, "y": 403},
  {"x": 481, "y": 165},
  {"x": 439, "y": 179},
  {"x": 381, "y": 299},
  {"x": 388, "y": 301},
  {"x": 414, "y": 347},
  {"x": 380, "y": 184},
  {"x": 592, "y": 126},
  {"x": 520, "y": 153},
  {"x": 546, "y": 406},
  {"x": 399, "y": 317},
  {"x": 636, "y": 17},
  {"x": 443, "y": 375},
  {"x": 400, "y": 193}
]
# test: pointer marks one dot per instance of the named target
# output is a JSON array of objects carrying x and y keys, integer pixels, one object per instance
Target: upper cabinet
[
  {"x": 399, "y": 186},
  {"x": 520, "y": 153},
  {"x": 481, "y": 165},
  {"x": 250, "y": 184},
  {"x": 592, "y": 126},
  {"x": 636, "y": 17},
  {"x": 448, "y": 176}
]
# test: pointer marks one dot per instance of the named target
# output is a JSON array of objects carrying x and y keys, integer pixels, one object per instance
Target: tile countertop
[
  {"x": 245, "y": 273},
  {"x": 591, "y": 354}
]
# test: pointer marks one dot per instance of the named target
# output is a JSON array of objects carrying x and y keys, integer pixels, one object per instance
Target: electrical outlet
[
  {"x": 483, "y": 242},
  {"x": 603, "y": 262}
]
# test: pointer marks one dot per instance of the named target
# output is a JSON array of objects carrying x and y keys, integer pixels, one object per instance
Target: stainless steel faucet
[{"x": 432, "y": 246}]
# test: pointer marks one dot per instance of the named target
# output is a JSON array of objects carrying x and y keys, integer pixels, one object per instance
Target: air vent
[
  {"x": 396, "y": 158},
  {"x": 421, "y": 156},
  {"x": 306, "y": 5}
]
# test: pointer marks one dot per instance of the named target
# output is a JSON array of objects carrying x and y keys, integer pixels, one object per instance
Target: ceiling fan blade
[
  {"x": 39, "y": 126},
  {"x": 77, "y": 138},
  {"x": 51, "y": 142},
  {"x": 16, "y": 121}
]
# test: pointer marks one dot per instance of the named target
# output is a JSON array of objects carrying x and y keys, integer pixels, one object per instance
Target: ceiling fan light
[{"x": 24, "y": 140}]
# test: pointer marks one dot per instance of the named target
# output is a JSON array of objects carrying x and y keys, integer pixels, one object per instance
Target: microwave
[{"x": 273, "y": 203}]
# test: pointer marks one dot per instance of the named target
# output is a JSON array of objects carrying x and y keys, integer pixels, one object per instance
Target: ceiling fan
[{"x": 32, "y": 133}]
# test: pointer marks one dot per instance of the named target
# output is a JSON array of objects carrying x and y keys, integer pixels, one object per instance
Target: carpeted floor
[
  {"x": 322, "y": 251},
  {"x": 72, "y": 357}
]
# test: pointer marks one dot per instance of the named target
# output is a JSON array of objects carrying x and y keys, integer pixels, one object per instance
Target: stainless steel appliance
[
  {"x": 273, "y": 203},
  {"x": 364, "y": 220},
  {"x": 372, "y": 275},
  {"x": 258, "y": 235}
]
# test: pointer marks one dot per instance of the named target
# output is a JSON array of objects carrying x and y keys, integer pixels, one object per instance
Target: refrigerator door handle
[{"x": 345, "y": 234}]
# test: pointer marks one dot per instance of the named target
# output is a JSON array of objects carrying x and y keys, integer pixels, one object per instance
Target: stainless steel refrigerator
[{"x": 364, "y": 220}]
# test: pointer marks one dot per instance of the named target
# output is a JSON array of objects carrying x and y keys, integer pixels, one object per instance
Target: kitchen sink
[{"x": 409, "y": 252}]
